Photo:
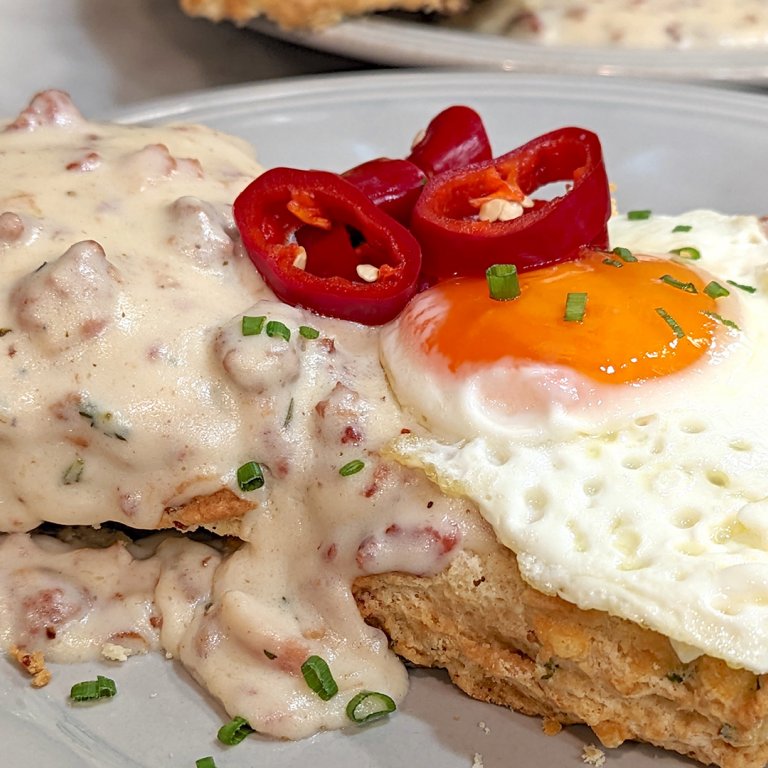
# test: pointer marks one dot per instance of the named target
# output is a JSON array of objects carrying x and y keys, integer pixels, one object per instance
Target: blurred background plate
[{"x": 399, "y": 41}]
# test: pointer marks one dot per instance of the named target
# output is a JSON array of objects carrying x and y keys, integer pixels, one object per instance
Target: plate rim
[{"x": 695, "y": 96}]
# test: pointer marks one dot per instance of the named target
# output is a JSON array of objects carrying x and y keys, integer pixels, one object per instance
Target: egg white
[{"x": 649, "y": 501}]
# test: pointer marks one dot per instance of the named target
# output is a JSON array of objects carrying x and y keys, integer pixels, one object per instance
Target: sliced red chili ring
[
  {"x": 280, "y": 212},
  {"x": 454, "y": 138},
  {"x": 456, "y": 241},
  {"x": 392, "y": 184}
]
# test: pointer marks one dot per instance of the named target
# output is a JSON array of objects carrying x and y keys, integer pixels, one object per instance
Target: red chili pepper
[
  {"x": 455, "y": 241},
  {"x": 392, "y": 184},
  {"x": 285, "y": 207},
  {"x": 454, "y": 138}
]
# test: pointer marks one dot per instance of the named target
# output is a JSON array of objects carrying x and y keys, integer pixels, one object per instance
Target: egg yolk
[{"x": 642, "y": 319}]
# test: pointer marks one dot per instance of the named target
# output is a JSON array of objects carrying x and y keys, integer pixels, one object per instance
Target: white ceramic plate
[
  {"x": 402, "y": 42},
  {"x": 668, "y": 147}
]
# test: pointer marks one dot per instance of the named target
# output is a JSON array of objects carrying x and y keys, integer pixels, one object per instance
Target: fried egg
[{"x": 621, "y": 454}]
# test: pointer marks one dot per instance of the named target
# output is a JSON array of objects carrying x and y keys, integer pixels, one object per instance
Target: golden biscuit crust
[
  {"x": 33, "y": 663},
  {"x": 220, "y": 512},
  {"x": 308, "y": 14},
  {"x": 502, "y": 641}
]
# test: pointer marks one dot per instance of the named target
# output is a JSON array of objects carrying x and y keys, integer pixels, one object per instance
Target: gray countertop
[{"x": 111, "y": 54}]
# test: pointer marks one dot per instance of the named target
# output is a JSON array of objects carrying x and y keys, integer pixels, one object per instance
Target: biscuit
[{"x": 503, "y": 642}]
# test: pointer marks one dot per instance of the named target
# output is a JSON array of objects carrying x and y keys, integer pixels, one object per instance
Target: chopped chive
[
  {"x": 234, "y": 731},
  {"x": 276, "y": 328},
  {"x": 102, "y": 421},
  {"x": 3, "y": 331},
  {"x": 671, "y": 322},
  {"x": 575, "y": 307},
  {"x": 250, "y": 476},
  {"x": 682, "y": 228},
  {"x": 252, "y": 325},
  {"x": 550, "y": 667},
  {"x": 308, "y": 332},
  {"x": 687, "y": 287},
  {"x": 271, "y": 656},
  {"x": 720, "y": 319},
  {"x": 205, "y": 762},
  {"x": 503, "y": 283},
  {"x": 688, "y": 252},
  {"x": 369, "y": 705},
  {"x": 639, "y": 215},
  {"x": 91, "y": 690},
  {"x": 73, "y": 472},
  {"x": 351, "y": 468},
  {"x": 612, "y": 263},
  {"x": 715, "y": 290},
  {"x": 624, "y": 254},
  {"x": 288, "y": 415},
  {"x": 747, "y": 288},
  {"x": 318, "y": 677}
]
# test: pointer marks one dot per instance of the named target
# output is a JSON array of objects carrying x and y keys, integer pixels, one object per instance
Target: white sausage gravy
[
  {"x": 129, "y": 390},
  {"x": 649, "y": 24}
]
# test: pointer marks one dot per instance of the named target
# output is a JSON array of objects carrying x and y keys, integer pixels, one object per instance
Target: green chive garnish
[
  {"x": 688, "y": 252},
  {"x": 575, "y": 307},
  {"x": 308, "y": 332},
  {"x": 288, "y": 414},
  {"x": 503, "y": 284},
  {"x": 638, "y": 215},
  {"x": 747, "y": 288},
  {"x": 271, "y": 656},
  {"x": 91, "y": 690},
  {"x": 720, "y": 319},
  {"x": 550, "y": 667},
  {"x": 250, "y": 476},
  {"x": 715, "y": 290},
  {"x": 612, "y": 263},
  {"x": 3, "y": 331},
  {"x": 319, "y": 678},
  {"x": 74, "y": 472},
  {"x": 351, "y": 468},
  {"x": 103, "y": 421},
  {"x": 624, "y": 254},
  {"x": 683, "y": 228},
  {"x": 369, "y": 705},
  {"x": 671, "y": 322},
  {"x": 205, "y": 762},
  {"x": 687, "y": 287},
  {"x": 276, "y": 328},
  {"x": 234, "y": 731},
  {"x": 252, "y": 325}
]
